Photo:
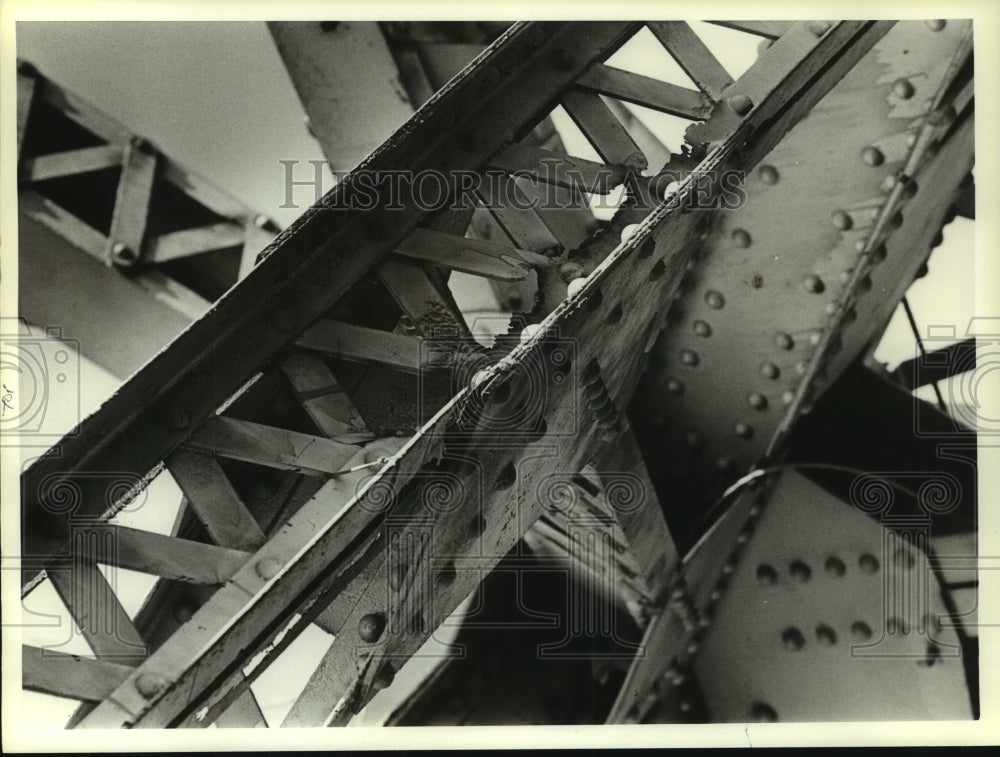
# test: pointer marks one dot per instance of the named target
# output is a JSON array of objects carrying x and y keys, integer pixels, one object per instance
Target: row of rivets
[{"x": 801, "y": 572}]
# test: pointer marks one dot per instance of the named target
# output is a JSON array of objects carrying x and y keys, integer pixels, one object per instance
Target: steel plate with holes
[{"x": 830, "y": 617}]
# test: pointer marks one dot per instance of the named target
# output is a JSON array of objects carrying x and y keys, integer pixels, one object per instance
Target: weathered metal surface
[
  {"x": 832, "y": 613},
  {"x": 380, "y": 560},
  {"x": 660, "y": 685},
  {"x": 219, "y": 353},
  {"x": 60, "y": 220},
  {"x": 348, "y": 83},
  {"x": 780, "y": 293}
]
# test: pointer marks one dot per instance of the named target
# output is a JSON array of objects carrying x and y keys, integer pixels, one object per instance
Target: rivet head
[
  {"x": 689, "y": 357},
  {"x": 701, "y": 328},
  {"x": 628, "y": 231},
  {"x": 878, "y": 254},
  {"x": 744, "y": 430},
  {"x": 825, "y": 635},
  {"x": 784, "y": 341},
  {"x": 384, "y": 678},
  {"x": 792, "y": 639},
  {"x": 715, "y": 299},
  {"x": 766, "y": 575},
  {"x": 819, "y": 28},
  {"x": 910, "y": 190},
  {"x": 150, "y": 684},
  {"x": 799, "y": 571},
  {"x": 937, "y": 240},
  {"x": 757, "y": 400},
  {"x": 740, "y": 104},
  {"x": 761, "y": 712},
  {"x": 888, "y": 184},
  {"x": 184, "y": 610},
  {"x": 787, "y": 397},
  {"x": 530, "y": 331},
  {"x": 370, "y": 627},
  {"x": 741, "y": 238},
  {"x": 724, "y": 464},
  {"x": 835, "y": 567},
  {"x": 868, "y": 563},
  {"x": 813, "y": 283},
  {"x": 142, "y": 144},
  {"x": 675, "y": 387},
  {"x": 768, "y": 174},
  {"x": 936, "y": 25},
  {"x": 769, "y": 370},
  {"x": 872, "y": 156},
  {"x": 942, "y": 116},
  {"x": 865, "y": 284},
  {"x": 841, "y": 220},
  {"x": 861, "y": 631},
  {"x": 903, "y": 89},
  {"x": 267, "y": 567},
  {"x": 575, "y": 287},
  {"x": 123, "y": 253}
]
